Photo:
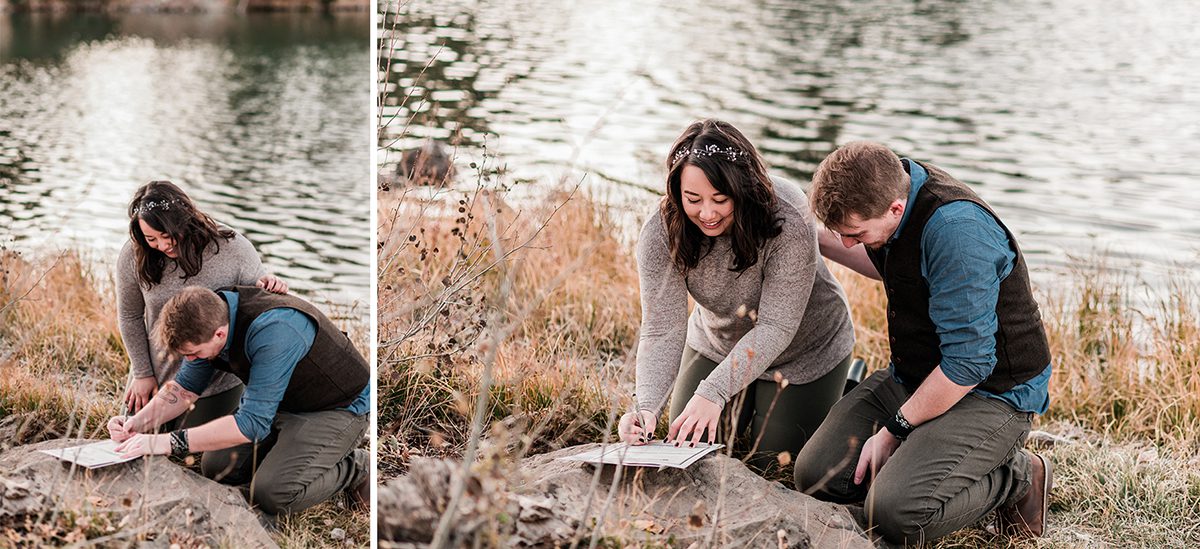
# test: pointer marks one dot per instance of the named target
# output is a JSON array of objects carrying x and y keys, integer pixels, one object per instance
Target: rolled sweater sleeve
[
  {"x": 275, "y": 343},
  {"x": 664, "y": 317},
  {"x": 789, "y": 273},
  {"x": 131, "y": 314}
]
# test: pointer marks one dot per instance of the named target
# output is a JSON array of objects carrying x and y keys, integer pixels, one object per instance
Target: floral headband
[
  {"x": 730, "y": 153},
  {"x": 147, "y": 207}
]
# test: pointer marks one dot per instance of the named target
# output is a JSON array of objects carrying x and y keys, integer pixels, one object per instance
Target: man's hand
[
  {"x": 637, "y": 428},
  {"x": 140, "y": 392},
  {"x": 272, "y": 284},
  {"x": 145, "y": 445},
  {"x": 874, "y": 454},
  {"x": 117, "y": 430},
  {"x": 698, "y": 416}
]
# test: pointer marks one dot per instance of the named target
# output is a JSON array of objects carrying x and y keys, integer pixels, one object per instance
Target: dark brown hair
[
  {"x": 733, "y": 167},
  {"x": 861, "y": 178},
  {"x": 167, "y": 209},
  {"x": 190, "y": 317}
]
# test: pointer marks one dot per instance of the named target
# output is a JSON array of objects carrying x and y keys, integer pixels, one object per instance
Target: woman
[
  {"x": 173, "y": 245},
  {"x": 771, "y": 325}
]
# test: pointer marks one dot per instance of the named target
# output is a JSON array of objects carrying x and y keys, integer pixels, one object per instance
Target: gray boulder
[
  {"x": 555, "y": 502},
  {"x": 146, "y": 502}
]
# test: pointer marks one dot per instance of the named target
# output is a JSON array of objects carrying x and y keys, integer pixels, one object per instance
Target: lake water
[
  {"x": 1078, "y": 120},
  {"x": 262, "y": 119}
]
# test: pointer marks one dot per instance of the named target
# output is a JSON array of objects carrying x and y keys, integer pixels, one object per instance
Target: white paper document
[
  {"x": 654, "y": 454},
  {"x": 96, "y": 454}
]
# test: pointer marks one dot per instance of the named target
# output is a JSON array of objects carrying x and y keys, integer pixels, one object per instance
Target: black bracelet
[
  {"x": 179, "y": 444},
  {"x": 898, "y": 426}
]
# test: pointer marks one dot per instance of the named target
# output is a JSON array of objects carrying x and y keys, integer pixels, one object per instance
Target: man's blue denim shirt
[{"x": 965, "y": 255}]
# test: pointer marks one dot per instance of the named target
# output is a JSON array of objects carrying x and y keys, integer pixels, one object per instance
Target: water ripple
[
  {"x": 1078, "y": 120},
  {"x": 260, "y": 118}
]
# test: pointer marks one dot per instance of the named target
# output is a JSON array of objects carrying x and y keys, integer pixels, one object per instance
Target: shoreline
[{"x": 113, "y": 7}]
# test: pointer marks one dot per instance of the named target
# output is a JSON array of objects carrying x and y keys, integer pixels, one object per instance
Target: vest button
[
  {"x": 891, "y": 314},
  {"x": 892, "y": 340}
]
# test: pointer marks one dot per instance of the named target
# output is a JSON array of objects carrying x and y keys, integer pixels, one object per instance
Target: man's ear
[
  {"x": 897, "y": 207},
  {"x": 221, "y": 332}
]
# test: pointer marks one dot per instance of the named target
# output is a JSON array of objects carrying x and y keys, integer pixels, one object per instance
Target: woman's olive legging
[{"x": 762, "y": 431}]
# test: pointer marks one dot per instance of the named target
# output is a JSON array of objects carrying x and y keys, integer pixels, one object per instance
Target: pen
[{"x": 637, "y": 422}]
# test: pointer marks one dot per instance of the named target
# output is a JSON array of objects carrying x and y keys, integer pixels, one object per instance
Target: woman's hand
[
  {"x": 698, "y": 416},
  {"x": 145, "y": 445},
  {"x": 140, "y": 392},
  {"x": 637, "y": 428},
  {"x": 117, "y": 430},
  {"x": 272, "y": 284}
]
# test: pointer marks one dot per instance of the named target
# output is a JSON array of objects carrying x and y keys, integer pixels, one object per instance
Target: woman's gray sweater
[
  {"x": 785, "y": 314},
  {"x": 235, "y": 263}
]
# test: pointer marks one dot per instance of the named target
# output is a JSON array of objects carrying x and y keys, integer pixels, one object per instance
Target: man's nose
[{"x": 849, "y": 242}]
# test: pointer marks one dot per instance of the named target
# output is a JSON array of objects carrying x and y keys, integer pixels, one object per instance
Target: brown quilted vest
[
  {"x": 1022, "y": 351},
  {"x": 331, "y": 375}
]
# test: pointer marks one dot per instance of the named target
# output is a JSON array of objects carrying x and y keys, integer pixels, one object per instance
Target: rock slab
[
  {"x": 717, "y": 502},
  {"x": 149, "y": 499}
]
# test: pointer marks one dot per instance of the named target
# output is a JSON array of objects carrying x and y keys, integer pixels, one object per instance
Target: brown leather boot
[
  {"x": 1027, "y": 517},
  {"x": 360, "y": 495}
]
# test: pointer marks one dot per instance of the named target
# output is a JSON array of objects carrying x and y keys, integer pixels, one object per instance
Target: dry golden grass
[
  {"x": 576, "y": 306},
  {"x": 62, "y": 370},
  {"x": 60, "y": 349},
  {"x": 1125, "y": 370},
  {"x": 1126, "y": 378}
]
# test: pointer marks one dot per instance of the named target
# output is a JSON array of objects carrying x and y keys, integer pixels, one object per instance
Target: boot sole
[{"x": 1046, "y": 492}]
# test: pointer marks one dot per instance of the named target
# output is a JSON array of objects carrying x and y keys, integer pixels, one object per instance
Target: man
[
  {"x": 303, "y": 412},
  {"x": 933, "y": 443}
]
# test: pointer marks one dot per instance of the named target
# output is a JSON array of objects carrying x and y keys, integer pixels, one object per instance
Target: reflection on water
[
  {"x": 260, "y": 118},
  {"x": 1077, "y": 120}
]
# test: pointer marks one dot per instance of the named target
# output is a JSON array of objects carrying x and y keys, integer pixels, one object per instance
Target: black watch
[
  {"x": 179, "y": 443},
  {"x": 898, "y": 426}
]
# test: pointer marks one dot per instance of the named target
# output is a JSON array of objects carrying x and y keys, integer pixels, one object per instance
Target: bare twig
[{"x": 16, "y": 300}]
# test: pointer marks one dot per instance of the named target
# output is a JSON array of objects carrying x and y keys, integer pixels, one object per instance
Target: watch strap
[{"x": 899, "y": 426}]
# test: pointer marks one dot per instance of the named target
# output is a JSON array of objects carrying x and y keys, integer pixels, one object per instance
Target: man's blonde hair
[
  {"x": 862, "y": 178},
  {"x": 191, "y": 317}
]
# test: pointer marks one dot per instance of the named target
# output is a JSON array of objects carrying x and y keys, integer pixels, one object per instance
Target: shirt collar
[
  {"x": 917, "y": 175},
  {"x": 231, "y": 299}
]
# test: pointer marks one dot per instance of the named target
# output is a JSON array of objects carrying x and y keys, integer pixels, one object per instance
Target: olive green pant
[
  {"x": 207, "y": 409},
  {"x": 950, "y": 472},
  {"x": 307, "y": 458},
  {"x": 762, "y": 432}
]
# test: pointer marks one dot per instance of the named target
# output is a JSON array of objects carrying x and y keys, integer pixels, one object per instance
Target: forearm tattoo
[
  {"x": 163, "y": 403},
  {"x": 171, "y": 393}
]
